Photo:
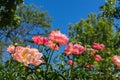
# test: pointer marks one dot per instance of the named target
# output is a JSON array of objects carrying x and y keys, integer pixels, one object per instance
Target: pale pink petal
[
  {"x": 11, "y": 49},
  {"x": 37, "y": 62},
  {"x": 17, "y": 57}
]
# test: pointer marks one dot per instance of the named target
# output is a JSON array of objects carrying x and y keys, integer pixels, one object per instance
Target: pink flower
[
  {"x": 116, "y": 61},
  {"x": 74, "y": 49},
  {"x": 58, "y": 37},
  {"x": 17, "y": 54},
  {"x": 27, "y": 56},
  {"x": 33, "y": 57},
  {"x": 11, "y": 49},
  {"x": 69, "y": 49},
  {"x": 70, "y": 62},
  {"x": 18, "y": 49},
  {"x": 17, "y": 57},
  {"x": 97, "y": 58},
  {"x": 39, "y": 40},
  {"x": 98, "y": 46},
  {"x": 52, "y": 45},
  {"x": 78, "y": 49}
]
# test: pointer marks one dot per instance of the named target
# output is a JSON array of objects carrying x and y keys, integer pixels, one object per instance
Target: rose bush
[{"x": 77, "y": 61}]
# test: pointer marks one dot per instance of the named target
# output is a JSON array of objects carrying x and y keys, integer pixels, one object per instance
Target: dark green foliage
[
  {"x": 92, "y": 30},
  {"x": 111, "y": 10},
  {"x": 8, "y": 16},
  {"x": 101, "y": 29}
]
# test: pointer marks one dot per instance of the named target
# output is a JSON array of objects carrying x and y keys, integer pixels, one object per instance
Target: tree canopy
[{"x": 8, "y": 16}]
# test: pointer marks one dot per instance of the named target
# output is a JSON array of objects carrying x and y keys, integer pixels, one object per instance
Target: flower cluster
[
  {"x": 53, "y": 41},
  {"x": 98, "y": 46},
  {"x": 26, "y": 55},
  {"x": 39, "y": 40},
  {"x": 76, "y": 49},
  {"x": 32, "y": 56}
]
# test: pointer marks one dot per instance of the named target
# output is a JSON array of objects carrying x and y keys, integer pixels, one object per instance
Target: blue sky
[{"x": 64, "y": 12}]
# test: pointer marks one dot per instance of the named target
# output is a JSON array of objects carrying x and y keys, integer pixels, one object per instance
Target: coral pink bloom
[
  {"x": 58, "y": 37},
  {"x": 52, "y": 45},
  {"x": 39, "y": 40},
  {"x": 69, "y": 49},
  {"x": 98, "y": 46},
  {"x": 17, "y": 53},
  {"x": 21, "y": 53},
  {"x": 17, "y": 57},
  {"x": 34, "y": 57},
  {"x": 18, "y": 49},
  {"x": 70, "y": 62},
  {"x": 11, "y": 49},
  {"x": 116, "y": 61},
  {"x": 78, "y": 49},
  {"x": 27, "y": 55},
  {"x": 97, "y": 58}
]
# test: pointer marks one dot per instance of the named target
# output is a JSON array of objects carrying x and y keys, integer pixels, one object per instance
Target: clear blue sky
[{"x": 64, "y": 12}]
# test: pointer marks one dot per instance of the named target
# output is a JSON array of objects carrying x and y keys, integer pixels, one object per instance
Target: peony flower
[
  {"x": 39, "y": 40},
  {"x": 98, "y": 46},
  {"x": 27, "y": 56},
  {"x": 97, "y": 58},
  {"x": 18, "y": 49},
  {"x": 34, "y": 57},
  {"x": 52, "y": 45},
  {"x": 116, "y": 61},
  {"x": 69, "y": 49},
  {"x": 11, "y": 49},
  {"x": 17, "y": 55},
  {"x": 78, "y": 49},
  {"x": 58, "y": 37},
  {"x": 70, "y": 62}
]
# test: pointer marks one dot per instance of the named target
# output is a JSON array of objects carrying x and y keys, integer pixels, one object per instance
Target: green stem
[
  {"x": 50, "y": 57},
  {"x": 71, "y": 71},
  {"x": 51, "y": 54}
]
